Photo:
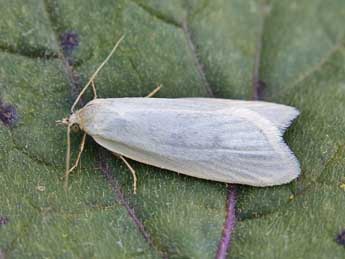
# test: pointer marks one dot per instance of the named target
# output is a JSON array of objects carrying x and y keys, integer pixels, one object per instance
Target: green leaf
[{"x": 192, "y": 48}]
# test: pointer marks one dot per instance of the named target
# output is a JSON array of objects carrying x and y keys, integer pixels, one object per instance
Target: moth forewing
[{"x": 220, "y": 140}]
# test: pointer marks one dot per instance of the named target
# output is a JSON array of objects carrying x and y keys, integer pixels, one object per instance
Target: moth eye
[{"x": 75, "y": 127}]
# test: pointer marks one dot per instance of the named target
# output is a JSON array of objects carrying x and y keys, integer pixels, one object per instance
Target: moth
[{"x": 223, "y": 140}]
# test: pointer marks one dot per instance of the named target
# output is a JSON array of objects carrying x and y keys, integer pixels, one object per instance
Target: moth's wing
[
  {"x": 280, "y": 115},
  {"x": 233, "y": 145}
]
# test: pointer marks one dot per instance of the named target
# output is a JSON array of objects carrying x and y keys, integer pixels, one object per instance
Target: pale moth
[{"x": 222, "y": 140}]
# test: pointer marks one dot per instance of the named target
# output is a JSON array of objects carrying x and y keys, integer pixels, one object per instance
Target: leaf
[{"x": 48, "y": 50}]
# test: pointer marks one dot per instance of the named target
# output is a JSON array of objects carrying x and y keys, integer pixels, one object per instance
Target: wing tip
[
  {"x": 292, "y": 161},
  {"x": 292, "y": 171},
  {"x": 291, "y": 114},
  {"x": 293, "y": 165}
]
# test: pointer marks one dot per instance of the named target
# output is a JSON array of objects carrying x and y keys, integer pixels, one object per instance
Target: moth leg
[
  {"x": 131, "y": 170},
  {"x": 154, "y": 91},
  {"x": 81, "y": 149},
  {"x": 94, "y": 89}
]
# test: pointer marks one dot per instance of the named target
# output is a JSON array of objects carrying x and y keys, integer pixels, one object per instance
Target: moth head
[{"x": 71, "y": 122}]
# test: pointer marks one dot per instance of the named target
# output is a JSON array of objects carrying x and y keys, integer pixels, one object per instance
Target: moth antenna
[
  {"x": 96, "y": 72},
  {"x": 154, "y": 91},
  {"x": 133, "y": 173},
  {"x": 70, "y": 170}
]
